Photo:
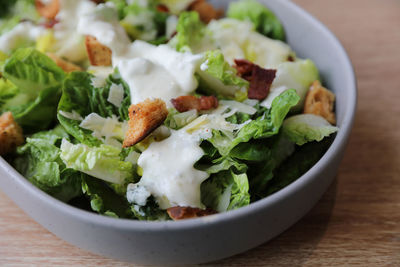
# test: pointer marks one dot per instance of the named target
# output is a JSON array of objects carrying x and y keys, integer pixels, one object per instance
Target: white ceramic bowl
[{"x": 222, "y": 235}]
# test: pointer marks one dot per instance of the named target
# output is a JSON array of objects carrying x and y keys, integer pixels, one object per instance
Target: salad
[{"x": 157, "y": 109}]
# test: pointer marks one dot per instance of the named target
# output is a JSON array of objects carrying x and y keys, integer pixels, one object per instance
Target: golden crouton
[
  {"x": 65, "y": 65},
  {"x": 99, "y": 55},
  {"x": 10, "y": 134},
  {"x": 48, "y": 10},
  {"x": 320, "y": 101},
  {"x": 143, "y": 119},
  {"x": 206, "y": 11}
]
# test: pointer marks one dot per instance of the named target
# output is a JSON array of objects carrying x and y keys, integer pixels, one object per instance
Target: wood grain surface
[{"x": 357, "y": 222}]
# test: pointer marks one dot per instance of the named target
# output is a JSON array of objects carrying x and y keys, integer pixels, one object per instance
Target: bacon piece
[
  {"x": 244, "y": 68},
  {"x": 162, "y": 8},
  {"x": 98, "y": 1},
  {"x": 49, "y": 10},
  {"x": 260, "y": 79},
  {"x": 99, "y": 55},
  {"x": 206, "y": 11},
  {"x": 143, "y": 119},
  {"x": 320, "y": 101},
  {"x": 188, "y": 102},
  {"x": 181, "y": 213},
  {"x": 62, "y": 63},
  {"x": 10, "y": 134}
]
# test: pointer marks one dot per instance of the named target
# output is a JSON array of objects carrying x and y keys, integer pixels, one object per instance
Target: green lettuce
[
  {"x": 217, "y": 77},
  {"x": 263, "y": 19},
  {"x": 192, "y": 34},
  {"x": 104, "y": 200},
  {"x": 31, "y": 90},
  {"x": 143, "y": 21},
  {"x": 226, "y": 191},
  {"x": 306, "y": 128},
  {"x": 149, "y": 212},
  {"x": 298, "y": 75},
  {"x": 13, "y": 11},
  {"x": 102, "y": 162},
  {"x": 297, "y": 164},
  {"x": 39, "y": 161},
  {"x": 239, "y": 40},
  {"x": 262, "y": 126},
  {"x": 81, "y": 97}
]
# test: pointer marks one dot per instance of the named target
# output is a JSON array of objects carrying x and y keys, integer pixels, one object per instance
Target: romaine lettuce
[
  {"x": 31, "y": 89},
  {"x": 102, "y": 162},
  {"x": 217, "y": 77},
  {"x": 263, "y": 19},
  {"x": 226, "y": 191},
  {"x": 305, "y": 128},
  {"x": 39, "y": 161}
]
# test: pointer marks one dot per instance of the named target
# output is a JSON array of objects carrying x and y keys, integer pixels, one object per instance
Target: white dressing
[
  {"x": 169, "y": 173},
  {"x": 25, "y": 32}
]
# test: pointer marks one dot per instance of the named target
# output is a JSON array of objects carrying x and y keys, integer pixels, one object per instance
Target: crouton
[
  {"x": 65, "y": 65},
  {"x": 10, "y": 134},
  {"x": 48, "y": 10},
  {"x": 99, "y": 55},
  {"x": 206, "y": 11},
  {"x": 320, "y": 101},
  {"x": 143, "y": 119},
  {"x": 188, "y": 102},
  {"x": 181, "y": 213}
]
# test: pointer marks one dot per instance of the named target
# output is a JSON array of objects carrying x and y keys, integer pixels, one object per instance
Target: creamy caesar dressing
[
  {"x": 23, "y": 33},
  {"x": 150, "y": 71},
  {"x": 168, "y": 166},
  {"x": 169, "y": 173},
  {"x": 69, "y": 43}
]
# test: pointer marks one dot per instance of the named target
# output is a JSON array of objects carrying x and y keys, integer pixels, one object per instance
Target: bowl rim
[{"x": 154, "y": 226}]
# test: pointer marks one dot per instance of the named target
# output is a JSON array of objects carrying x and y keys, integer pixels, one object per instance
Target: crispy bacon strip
[
  {"x": 320, "y": 101},
  {"x": 10, "y": 134},
  {"x": 188, "y": 102},
  {"x": 48, "y": 11},
  {"x": 99, "y": 55},
  {"x": 260, "y": 79},
  {"x": 143, "y": 119},
  {"x": 181, "y": 213},
  {"x": 65, "y": 65},
  {"x": 206, "y": 11},
  {"x": 162, "y": 8}
]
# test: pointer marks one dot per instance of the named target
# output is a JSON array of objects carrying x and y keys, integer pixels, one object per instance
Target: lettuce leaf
[
  {"x": 226, "y": 191},
  {"x": 217, "y": 77},
  {"x": 31, "y": 89},
  {"x": 263, "y": 19},
  {"x": 297, "y": 164},
  {"x": 102, "y": 162},
  {"x": 239, "y": 40},
  {"x": 298, "y": 75},
  {"x": 39, "y": 161},
  {"x": 80, "y": 96},
  {"x": 143, "y": 21},
  {"x": 104, "y": 200},
  {"x": 192, "y": 34},
  {"x": 263, "y": 125},
  {"x": 306, "y": 128}
]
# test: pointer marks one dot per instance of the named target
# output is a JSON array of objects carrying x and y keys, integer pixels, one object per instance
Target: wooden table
[{"x": 357, "y": 222}]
